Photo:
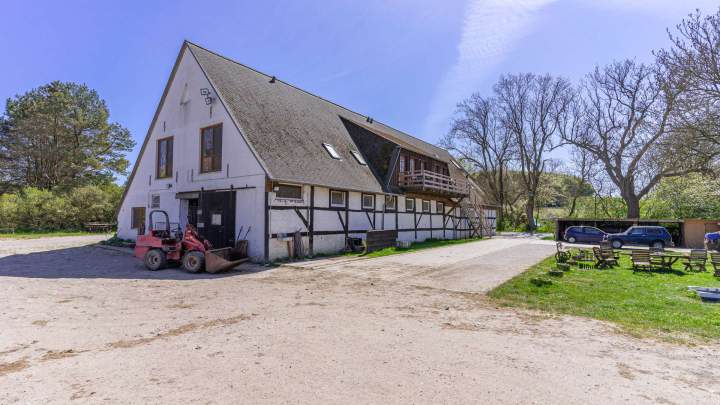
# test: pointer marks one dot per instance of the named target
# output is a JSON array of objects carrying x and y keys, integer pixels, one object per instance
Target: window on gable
[
  {"x": 337, "y": 198},
  {"x": 331, "y": 150},
  {"x": 409, "y": 204},
  {"x": 164, "y": 158},
  {"x": 368, "y": 201},
  {"x": 211, "y": 149},
  {"x": 440, "y": 207},
  {"x": 426, "y": 206},
  {"x": 390, "y": 202},
  {"x": 358, "y": 157},
  {"x": 288, "y": 191}
]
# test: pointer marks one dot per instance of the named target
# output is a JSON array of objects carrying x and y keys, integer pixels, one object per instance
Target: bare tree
[
  {"x": 532, "y": 110},
  {"x": 695, "y": 57},
  {"x": 627, "y": 114},
  {"x": 583, "y": 169},
  {"x": 479, "y": 140}
]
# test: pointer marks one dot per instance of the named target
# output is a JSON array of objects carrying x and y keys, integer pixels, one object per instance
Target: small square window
[
  {"x": 337, "y": 198},
  {"x": 331, "y": 150},
  {"x": 409, "y": 204},
  {"x": 440, "y": 207},
  {"x": 368, "y": 201},
  {"x": 390, "y": 202},
  {"x": 426, "y": 206},
  {"x": 358, "y": 157}
]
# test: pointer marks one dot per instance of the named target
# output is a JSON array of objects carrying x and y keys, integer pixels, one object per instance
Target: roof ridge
[{"x": 307, "y": 92}]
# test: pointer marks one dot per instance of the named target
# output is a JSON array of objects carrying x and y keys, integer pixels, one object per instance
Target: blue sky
[{"x": 404, "y": 62}]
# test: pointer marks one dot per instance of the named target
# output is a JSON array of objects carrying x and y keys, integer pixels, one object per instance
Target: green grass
[
  {"x": 548, "y": 237},
  {"x": 642, "y": 304},
  {"x": 43, "y": 234},
  {"x": 428, "y": 244}
]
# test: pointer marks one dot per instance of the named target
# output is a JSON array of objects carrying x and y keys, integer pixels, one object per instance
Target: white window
[
  {"x": 337, "y": 198},
  {"x": 440, "y": 207},
  {"x": 390, "y": 202},
  {"x": 358, "y": 157},
  {"x": 155, "y": 201},
  {"x": 368, "y": 201},
  {"x": 331, "y": 150},
  {"x": 409, "y": 204},
  {"x": 288, "y": 191},
  {"x": 426, "y": 205}
]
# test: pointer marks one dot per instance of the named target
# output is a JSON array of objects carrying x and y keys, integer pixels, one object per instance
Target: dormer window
[
  {"x": 331, "y": 150},
  {"x": 358, "y": 157}
]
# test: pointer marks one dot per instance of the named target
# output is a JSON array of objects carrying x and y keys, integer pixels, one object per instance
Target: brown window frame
[
  {"x": 135, "y": 221},
  {"x": 216, "y": 158},
  {"x": 168, "y": 158}
]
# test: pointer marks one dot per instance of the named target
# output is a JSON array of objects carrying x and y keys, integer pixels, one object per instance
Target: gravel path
[{"x": 90, "y": 325}]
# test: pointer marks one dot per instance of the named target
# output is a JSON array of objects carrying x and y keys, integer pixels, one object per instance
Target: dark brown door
[{"x": 216, "y": 221}]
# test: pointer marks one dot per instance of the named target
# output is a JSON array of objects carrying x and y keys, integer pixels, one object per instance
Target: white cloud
[
  {"x": 489, "y": 30},
  {"x": 663, "y": 7}
]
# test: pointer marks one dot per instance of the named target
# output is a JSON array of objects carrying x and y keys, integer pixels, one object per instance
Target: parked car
[
  {"x": 584, "y": 234},
  {"x": 653, "y": 236}
]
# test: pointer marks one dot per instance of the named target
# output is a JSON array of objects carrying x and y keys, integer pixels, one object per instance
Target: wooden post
[
  {"x": 347, "y": 223},
  {"x": 267, "y": 227},
  {"x": 311, "y": 219}
]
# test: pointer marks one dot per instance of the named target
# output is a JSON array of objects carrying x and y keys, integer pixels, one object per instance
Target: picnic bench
[
  {"x": 604, "y": 258},
  {"x": 696, "y": 261},
  {"x": 99, "y": 227},
  {"x": 715, "y": 261}
]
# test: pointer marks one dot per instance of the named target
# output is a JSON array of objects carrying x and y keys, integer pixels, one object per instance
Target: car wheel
[
  {"x": 155, "y": 259},
  {"x": 616, "y": 244},
  {"x": 658, "y": 244},
  {"x": 193, "y": 262},
  {"x": 572, "y": 239}
]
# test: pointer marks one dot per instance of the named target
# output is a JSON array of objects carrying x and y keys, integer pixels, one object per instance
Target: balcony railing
[{"x": 431, "y": 182}]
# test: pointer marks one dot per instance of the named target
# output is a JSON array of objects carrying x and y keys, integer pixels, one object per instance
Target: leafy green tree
[
  {"x": 59, "y": 136},
  {"x": 692, "y": 196}
]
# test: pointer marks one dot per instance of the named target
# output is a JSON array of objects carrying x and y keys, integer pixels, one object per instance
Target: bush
[{"x": 34, "y": 209}]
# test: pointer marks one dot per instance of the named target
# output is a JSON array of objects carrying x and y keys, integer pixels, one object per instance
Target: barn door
[{"x": 216, "y": 221}]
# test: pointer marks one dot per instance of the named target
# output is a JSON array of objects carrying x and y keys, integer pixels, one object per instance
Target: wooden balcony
[{"x": 423, "y": 181}]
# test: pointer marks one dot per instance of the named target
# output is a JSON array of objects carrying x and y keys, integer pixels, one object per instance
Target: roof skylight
[
  {"x": 331, "y": 150},
  {"x": 358, "y": 157}
]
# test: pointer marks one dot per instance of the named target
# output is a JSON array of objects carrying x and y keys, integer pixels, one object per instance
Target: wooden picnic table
[{"x": 666, "y": 260}]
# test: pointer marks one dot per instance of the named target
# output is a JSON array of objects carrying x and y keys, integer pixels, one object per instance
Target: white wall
[
  {"x": 183, "y": 122},
  {"x": 286, "y": 221}
]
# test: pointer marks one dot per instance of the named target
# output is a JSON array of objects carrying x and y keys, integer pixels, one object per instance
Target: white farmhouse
[{"x": 232, "y": 149}]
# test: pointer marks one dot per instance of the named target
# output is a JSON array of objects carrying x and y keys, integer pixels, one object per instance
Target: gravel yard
[{"x": 86, "y": 325}]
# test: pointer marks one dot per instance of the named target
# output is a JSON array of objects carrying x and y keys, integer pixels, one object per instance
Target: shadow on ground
[{"x": 95, "y": 262}]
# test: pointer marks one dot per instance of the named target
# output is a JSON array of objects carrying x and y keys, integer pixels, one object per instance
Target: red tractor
[{"x": 160, "y": 247}]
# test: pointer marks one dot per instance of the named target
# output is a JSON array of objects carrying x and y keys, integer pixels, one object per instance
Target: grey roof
[{"x": 287, "y": 126}]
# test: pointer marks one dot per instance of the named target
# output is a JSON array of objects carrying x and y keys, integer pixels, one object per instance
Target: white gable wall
[{"x": 240, "y": 168}]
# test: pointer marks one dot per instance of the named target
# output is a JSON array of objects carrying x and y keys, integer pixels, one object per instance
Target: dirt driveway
[{"x": 86, "y": 325}]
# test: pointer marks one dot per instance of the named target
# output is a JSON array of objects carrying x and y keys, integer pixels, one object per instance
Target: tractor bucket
[{"x": 222, "y": 259}]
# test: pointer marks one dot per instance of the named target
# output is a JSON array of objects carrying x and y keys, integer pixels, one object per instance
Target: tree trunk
[
  {"x": 530, "y": 212},
  {"x": 633, "y": 206},
  {"x": 501, "y": 198}
]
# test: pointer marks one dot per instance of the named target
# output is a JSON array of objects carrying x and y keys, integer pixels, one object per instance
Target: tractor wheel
[
  {"x": 155, "y": 259},
  {"x": 193, "y": 262}
]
